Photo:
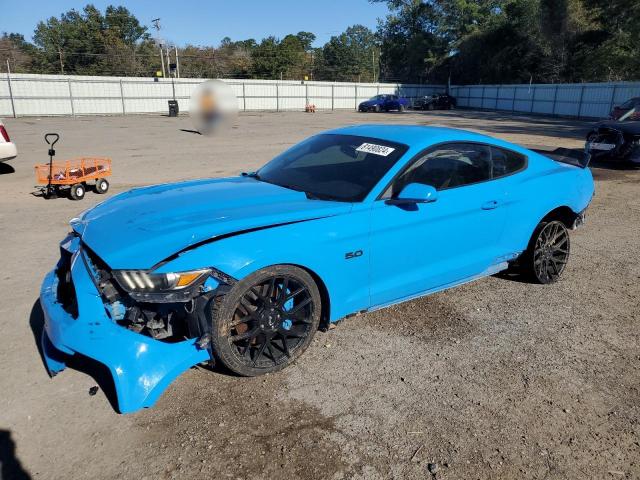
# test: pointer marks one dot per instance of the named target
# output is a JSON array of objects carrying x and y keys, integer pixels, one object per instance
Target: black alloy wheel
[{"x": 266, "y": 321}]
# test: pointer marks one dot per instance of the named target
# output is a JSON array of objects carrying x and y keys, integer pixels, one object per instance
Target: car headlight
[{"x": 146, "y": 282}]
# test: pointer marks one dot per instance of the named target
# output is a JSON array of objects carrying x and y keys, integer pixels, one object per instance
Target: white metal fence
[
  {"x": 581, "y": 100},
  {"x": 25, "y": 95}
]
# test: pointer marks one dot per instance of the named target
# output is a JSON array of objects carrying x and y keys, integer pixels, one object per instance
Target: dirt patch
[
  {"x": 608, "y": 172},
  {"x": 234, "y": 427},
  {"x": 433, "y": 318}
]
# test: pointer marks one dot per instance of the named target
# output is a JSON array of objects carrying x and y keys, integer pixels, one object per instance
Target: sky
[{"x": 207, "y": 22}]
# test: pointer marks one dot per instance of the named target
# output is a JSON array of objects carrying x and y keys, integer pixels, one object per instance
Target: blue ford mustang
[{"x": 244, "y": 270}]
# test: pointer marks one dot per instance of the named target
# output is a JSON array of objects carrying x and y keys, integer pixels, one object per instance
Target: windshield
[
  {"x": 629, "y": 104},
  {"x": 377, "y": 97},
  {"x": 333, "y": 167}
]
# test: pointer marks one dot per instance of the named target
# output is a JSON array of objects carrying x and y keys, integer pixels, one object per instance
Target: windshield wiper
[
  {"x": 310, "y": 195},
  {"x": 251, "y": 175}
]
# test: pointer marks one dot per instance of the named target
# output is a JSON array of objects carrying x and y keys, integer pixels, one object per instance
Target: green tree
[
  {"x": 91, "y": 43},
  {"x": 17, "y": 51},
  {"x": 350, "y": 56},
  {"x": 290, "y": 58}
]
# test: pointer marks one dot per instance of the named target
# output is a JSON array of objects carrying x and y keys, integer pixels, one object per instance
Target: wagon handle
[
  {"x": 49, "y": 191},
  {"x": 46, "y": 138}
]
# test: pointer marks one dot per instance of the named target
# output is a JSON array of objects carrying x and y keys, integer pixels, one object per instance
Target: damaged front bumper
[{"x": 141, "y": 366}]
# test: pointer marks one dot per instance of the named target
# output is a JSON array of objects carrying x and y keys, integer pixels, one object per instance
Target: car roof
[{"x": 419, "y": 136}]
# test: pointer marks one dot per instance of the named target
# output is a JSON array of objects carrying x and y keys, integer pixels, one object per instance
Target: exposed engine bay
[{"x": 170, "y": 317}]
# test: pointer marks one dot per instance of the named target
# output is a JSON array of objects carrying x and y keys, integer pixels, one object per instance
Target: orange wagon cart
[{"x": 75, "y": 175}]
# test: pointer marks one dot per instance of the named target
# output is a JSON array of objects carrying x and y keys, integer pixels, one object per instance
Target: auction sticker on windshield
[{"x": 375, "y": 149}]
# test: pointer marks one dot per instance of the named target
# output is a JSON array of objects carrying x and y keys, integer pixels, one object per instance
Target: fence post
[
  {"x": 13, "y": 106},
  {"x": 73, "y": 112},
  {"x": 613, "y": 97},
  {"x": 555, "y": 98},
  {"x": 513, "y": 100},
  {"x": 580, "y": 102},
  {"x": 355, "y": 98},
  {"x": 277, "y": 97},
  {"x": 497, "y": 97},
  {"x": 533, "y": 99},
  {"x": 482, "y": 99},
  {"x": 332, "y": 95},
  {"x": 306, "y": 94},
  {"x": 244, "y": 99},
  {"x": 122, "y": 98}
]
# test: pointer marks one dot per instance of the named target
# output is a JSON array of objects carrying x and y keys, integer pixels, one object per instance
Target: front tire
[
  {"x": 77, "y": 191},
  {"x": 548, "y": 252},
  {"x": 102, "y": 186},
  {"x": 266, "y": 321}
]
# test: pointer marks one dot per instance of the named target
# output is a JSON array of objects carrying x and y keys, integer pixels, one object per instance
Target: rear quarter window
[{"x": 506, "y": 162}]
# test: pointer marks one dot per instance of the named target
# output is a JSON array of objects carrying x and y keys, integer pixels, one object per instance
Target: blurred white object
[
  {"x": 212, "y": 105},
  {"x": 8, "y": 149}
]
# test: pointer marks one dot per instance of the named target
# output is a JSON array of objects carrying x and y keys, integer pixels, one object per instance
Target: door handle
[{"x": 490, "y": 205}]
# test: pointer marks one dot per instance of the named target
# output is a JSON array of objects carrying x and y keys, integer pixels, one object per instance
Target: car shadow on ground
[
  {"x": 99, "y": 372},
  {"x": 6, "y": 169},
  {"x": 10, "y": 466},
  {"x": 509, "y": 123}
]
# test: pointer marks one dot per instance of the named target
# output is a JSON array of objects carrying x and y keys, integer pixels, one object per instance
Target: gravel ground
[{"x": 494, "y": 379}]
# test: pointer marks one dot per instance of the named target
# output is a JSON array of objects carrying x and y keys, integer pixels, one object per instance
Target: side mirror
[{"x": 415, "y": 193}]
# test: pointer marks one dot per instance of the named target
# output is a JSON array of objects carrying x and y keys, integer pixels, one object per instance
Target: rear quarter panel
[{"x": 543, "y": 187}]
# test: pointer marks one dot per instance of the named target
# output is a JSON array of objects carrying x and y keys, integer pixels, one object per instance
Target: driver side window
[{"x": 447, "y": 166}]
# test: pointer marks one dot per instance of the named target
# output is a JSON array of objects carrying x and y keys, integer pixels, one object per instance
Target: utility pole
[
  {"x": 373, "y": 64},
  {"x": 61, "y": 62},
  {"x": 162, "y": 61},
  {"x": 156, "y": 25},
  {"x": 177, "y": 63}
]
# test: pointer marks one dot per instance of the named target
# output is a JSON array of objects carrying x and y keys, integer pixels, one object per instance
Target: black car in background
[
  {"x": 615, "y": 140},
  {"x": 439, "y": 101},
  {"x": 629, "y": 110}
]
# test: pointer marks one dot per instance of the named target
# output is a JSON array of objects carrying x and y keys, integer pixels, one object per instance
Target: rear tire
[
  {"x": 77, "y": 191},
  {"x": 547, "y": 254},
  {"x": 402, "y": 108},
  {"x": 266, "y": 321},
  {"x": 102, "y": 186}
]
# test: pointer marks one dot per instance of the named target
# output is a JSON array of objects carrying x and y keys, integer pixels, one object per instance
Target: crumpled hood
[{"x": 141, "y": 227}]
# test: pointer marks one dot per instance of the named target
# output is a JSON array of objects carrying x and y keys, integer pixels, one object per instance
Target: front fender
[{"x": 319, "y": 245}]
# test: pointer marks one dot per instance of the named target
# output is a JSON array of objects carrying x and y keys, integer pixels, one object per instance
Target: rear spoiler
[{"x": 570, "y": 156}]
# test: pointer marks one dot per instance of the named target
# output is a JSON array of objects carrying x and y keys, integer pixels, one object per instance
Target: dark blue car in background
[{"x": 384, "y": 103}]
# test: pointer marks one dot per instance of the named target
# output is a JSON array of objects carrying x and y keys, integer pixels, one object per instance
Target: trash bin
[{"x": 174, "y": 110}]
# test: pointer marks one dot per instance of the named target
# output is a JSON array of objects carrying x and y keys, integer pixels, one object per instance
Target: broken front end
[{"x": 146, "y": 328}]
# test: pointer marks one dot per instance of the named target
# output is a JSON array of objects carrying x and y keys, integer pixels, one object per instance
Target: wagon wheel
[
  {"x": 77, "y": 191},
  {"x": 266, "y": 321},
  {"x": 102, "y": 186}
]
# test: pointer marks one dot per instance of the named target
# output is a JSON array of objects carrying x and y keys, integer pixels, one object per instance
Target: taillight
[{"x": 4, "y": 133}]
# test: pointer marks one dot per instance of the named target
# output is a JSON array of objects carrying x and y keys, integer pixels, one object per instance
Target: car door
[
  {"x": 428, "y": 246},
  {"x": 391, "y": 102}
]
